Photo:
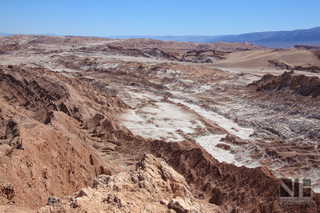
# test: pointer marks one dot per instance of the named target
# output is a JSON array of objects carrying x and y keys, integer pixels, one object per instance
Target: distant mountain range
[{"x": 274, "y": 39}]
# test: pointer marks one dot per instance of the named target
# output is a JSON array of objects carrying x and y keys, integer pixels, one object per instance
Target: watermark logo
[{"x": 295, "y": 191}]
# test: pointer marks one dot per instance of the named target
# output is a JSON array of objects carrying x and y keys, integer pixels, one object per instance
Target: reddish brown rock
[
  {"x": 151, "y": 188},
  {"x": 288, "y": 83}
]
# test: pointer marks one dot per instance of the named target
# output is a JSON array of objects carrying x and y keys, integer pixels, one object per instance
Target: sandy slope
[{"x": 259, "y": 59}]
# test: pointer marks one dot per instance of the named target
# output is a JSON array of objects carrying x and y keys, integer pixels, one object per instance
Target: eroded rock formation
[
  {"x": 152, "y": 187},
  {"x": 301, "y": 84}
]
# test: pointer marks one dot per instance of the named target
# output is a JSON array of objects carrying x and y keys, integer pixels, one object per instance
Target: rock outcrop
[
  {"x": 152, "y": 187},
  {"x": 279, "y": 64},
  {"x": 228, "y": 186},
  {"x": 290, "y": 83}
]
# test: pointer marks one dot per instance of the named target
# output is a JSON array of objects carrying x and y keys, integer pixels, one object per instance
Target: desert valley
[{"x": 139, "y": 125}]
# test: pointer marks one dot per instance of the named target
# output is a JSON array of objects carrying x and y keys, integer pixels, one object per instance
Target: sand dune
[{"x": 259, "y": 59}]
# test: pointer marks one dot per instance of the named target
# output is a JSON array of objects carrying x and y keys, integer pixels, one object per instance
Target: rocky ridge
[
  {"x": 153, "y": 187},
  {"x": 42, "y": 141}
]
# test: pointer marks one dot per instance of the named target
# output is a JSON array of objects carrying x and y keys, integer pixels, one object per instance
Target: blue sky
[{"x": 156, "y": 18}]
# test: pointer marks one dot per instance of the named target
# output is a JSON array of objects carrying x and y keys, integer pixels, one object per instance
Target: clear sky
[{"x": 156, "y": 17}]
